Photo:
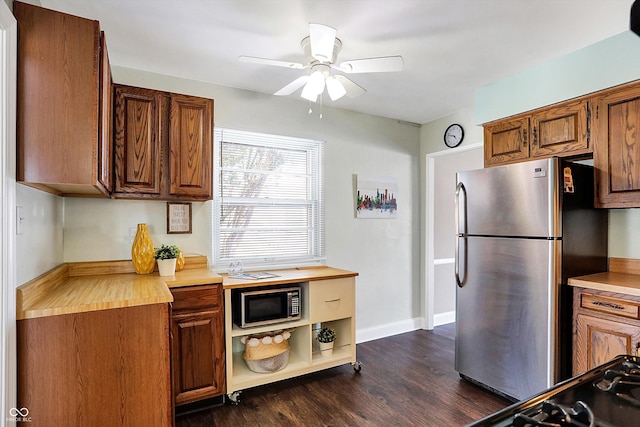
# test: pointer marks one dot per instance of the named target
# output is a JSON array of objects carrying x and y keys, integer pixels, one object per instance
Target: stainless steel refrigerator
[{"x": 522, "y": 230}]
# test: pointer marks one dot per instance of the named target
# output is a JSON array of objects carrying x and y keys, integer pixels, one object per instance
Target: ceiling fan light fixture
[
  {"x": 321, "y": 48},
  {"x": 335, "y": 89},
  {"x": 314, "y": 87},
  {"x": 308, "y": 94}
]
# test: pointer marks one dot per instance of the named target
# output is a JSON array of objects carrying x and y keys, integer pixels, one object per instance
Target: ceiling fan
[{"x": 321, "y": 48}]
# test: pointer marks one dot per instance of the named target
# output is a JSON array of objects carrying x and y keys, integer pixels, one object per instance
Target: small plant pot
[
  {"x": 326, "y": 348},
  {"x": 167, "y": 267}
]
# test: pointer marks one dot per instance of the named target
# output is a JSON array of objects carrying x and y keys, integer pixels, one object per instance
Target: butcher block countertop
[
  {"x": 90, "y": 286},
  {"x": 623, "y": 277},
  {"x": 290, "y": 275}
]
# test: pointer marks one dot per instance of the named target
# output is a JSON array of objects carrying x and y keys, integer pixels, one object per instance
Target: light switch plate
[{"x": 19, "y": 220}]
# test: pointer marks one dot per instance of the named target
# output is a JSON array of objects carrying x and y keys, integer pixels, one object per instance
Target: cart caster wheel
[
  {"x": 234, "y": 398},
  {"x": 357, "y": 366}
]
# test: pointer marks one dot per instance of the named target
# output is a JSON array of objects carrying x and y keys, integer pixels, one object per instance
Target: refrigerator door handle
[{"x": 460, "y": 234}]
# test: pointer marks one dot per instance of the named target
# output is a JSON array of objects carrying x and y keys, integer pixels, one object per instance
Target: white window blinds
[{"x": 268, "y": 209}]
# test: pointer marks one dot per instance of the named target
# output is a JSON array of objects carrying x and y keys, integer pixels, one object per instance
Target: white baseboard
[
  {"x": 382, "y": 331},
  {"x": 390, "y": 329},
  {"x": 444, "y": 318}
]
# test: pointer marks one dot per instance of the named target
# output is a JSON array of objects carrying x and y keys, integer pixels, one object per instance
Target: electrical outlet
[
  {"x": 132, "y": 233},
  {"x": 19, "y": 220}
]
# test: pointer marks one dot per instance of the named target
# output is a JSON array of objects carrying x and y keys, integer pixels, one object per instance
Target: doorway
[{"x": 442, "y": 166}]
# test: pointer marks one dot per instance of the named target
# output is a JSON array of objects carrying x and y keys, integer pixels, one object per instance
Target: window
[{"x": 268, "y": 208}]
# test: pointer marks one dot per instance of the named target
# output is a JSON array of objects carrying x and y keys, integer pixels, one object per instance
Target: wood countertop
[
  {"x": 290, "y": 275},
  {"x": 90, "y": 286},
  {"x": 623, "y": 277}
]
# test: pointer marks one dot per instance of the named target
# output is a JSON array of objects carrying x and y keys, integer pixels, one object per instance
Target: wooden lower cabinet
[
  {"x": 606, "y": 325},
  {"x": 100, "y": 368},
  {"x": 197, "y": 343}
]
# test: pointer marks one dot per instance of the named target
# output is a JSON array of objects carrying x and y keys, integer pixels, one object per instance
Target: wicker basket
[{"x": 263, "y": 354}]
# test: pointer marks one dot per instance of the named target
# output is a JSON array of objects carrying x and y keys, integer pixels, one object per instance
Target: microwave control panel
[{"x": 295, "y": 303}]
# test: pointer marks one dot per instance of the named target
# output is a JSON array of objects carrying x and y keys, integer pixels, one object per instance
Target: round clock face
[{"x": 453, "y": 135}]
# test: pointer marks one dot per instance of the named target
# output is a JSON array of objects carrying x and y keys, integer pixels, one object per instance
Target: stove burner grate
[
  {"x": 623, "y": 383},
  {"x": 555, "y": 415}
]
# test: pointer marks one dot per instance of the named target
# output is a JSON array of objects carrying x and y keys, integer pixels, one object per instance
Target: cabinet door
[
  {"x": 105, "y": 149},
  {"x": 197, "y": 355},
  {"x": 506, "y": 141},
  {"x": 138, "y": 140},
  {"x": 561, "y": 129},
  {"x": 97, "y": 368},
  {"x": 190, "y": 162},
  {"x": 617, "y": 152},
  {"x": 57, "y": 101},
  {"x": 599, "y": 340}
]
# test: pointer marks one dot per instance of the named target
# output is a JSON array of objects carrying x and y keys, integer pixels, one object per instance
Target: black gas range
[{"x": 606, "y": 396}]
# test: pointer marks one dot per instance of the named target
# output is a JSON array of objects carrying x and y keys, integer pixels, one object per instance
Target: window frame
[{"x": 314, "y": 150}]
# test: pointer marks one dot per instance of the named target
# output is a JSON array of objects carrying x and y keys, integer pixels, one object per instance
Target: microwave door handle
[{"x": 460, "y": 234}]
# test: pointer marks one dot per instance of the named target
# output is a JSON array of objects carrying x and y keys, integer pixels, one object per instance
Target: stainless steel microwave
[{"x": 264, "y": 306}]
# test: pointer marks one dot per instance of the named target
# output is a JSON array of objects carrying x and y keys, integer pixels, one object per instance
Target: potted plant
[
  {"x": 326, "y": 336},
  {"x": 166, "y": 256}
]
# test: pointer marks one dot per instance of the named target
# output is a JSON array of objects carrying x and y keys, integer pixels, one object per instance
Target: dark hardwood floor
[{"x": 406, "y": 380}]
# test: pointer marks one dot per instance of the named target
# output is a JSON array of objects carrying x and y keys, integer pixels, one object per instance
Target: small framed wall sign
[{"x": 178, "y": 218}]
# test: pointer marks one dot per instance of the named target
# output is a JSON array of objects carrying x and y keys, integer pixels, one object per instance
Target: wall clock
[{"x": 454, "y": 135}]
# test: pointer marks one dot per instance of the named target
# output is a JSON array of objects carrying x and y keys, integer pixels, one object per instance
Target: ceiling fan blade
[
  {"x": 264, "y": 61},
  {"x": 293, "y": 86},
  {"x": 373, "y": 65},
  {"x": 353, "y": 89},
  {"x": 323, "y": 39}
]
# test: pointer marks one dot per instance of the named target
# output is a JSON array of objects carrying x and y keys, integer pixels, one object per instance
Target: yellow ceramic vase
[
  {"x": 142, "y": 252},
  {"x": 180, "y": 261}
]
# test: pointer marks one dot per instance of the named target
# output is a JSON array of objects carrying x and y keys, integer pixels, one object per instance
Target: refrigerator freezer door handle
[
  {"x": 459, "y": 282},
  {"x": 460, "y": 234}
]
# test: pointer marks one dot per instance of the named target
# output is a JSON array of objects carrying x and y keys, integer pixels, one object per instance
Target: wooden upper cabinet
[
  {"x": 190, "y": 143},
  {"x": 617, "y": 154},
  {"x": 506, "y": 141},
  {"x": 560, "y": 130},
  {"x": 138, "y": 140},
  {"x": 61, "y": 62},
  {"x": 163, "y": 145}
]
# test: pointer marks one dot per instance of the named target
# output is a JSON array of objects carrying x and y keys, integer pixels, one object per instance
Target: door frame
[
  {"x": 8, "y": 72},
  {"x": 430, "y": 262}
]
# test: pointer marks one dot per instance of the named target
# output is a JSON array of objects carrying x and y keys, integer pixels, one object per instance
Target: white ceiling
[{"x": 450, "y": 47}]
